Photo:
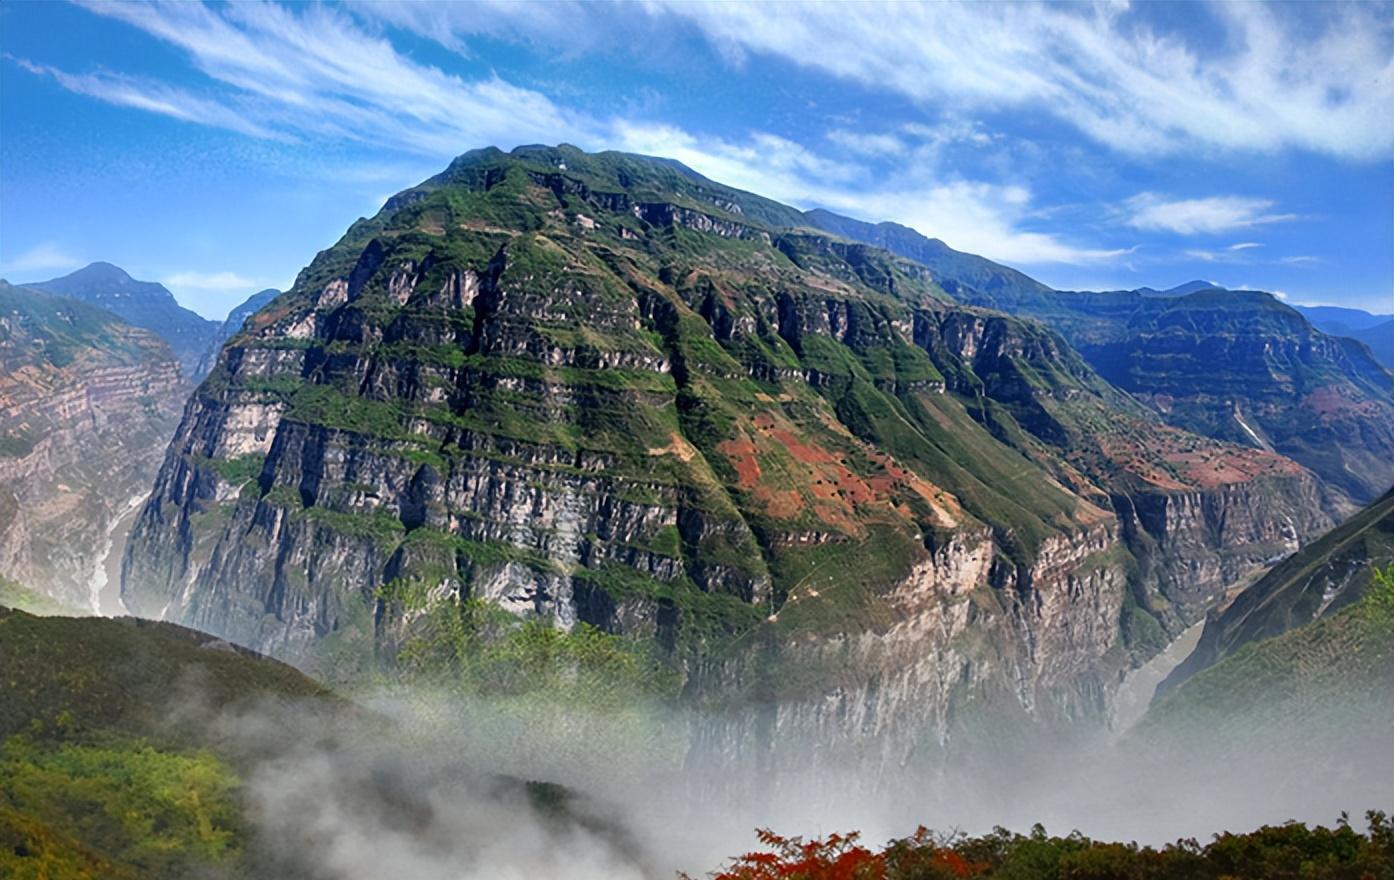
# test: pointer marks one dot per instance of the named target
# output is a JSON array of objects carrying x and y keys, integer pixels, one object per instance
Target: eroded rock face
[
  {"x": 791, "y": 466},
  {"x": 86, "y": 404},
  {"x": 1235, "y": 365}
]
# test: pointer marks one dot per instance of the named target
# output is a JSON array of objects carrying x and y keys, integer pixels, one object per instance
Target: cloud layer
[
  {"x": 1210, "y": 215},
  {"x": 1270, "y": 83},
  {"x": 1267, "y": 80}
]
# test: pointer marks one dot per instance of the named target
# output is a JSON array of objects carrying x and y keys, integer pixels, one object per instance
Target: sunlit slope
[
  {"x": 1230, "y": 364},
  {"x": 110, "y": 761},
  {"x": 599, "y": 389}
]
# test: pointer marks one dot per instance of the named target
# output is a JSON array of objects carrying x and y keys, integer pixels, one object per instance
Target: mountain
[
  {"x": 1188, "y": 287},
  {"x": 1380, "y": 339},
  {"x": 144, "y": 304},
  {"x": 602, "y": 390},
  {"x": 235, "y": 319},
  {"x": 1318, "y": 581},
  {"x": 943, "y": 261},
  {"x": 1340, "y": 321},
  {"x": 1304, "y": 711},
  {"x": 86, "y": 403},
  {"x": 1376, "y": 331},
  {"x": 1237, "y": 366},
  {"x": 138, "y": 750}
]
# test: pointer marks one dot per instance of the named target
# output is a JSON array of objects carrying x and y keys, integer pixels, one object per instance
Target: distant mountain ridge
[
  {"x": 1376, "y": 331},
  {"x": 235, "y": 319},
  {"x": 86, "y": 402},
  {"x": 1235, "y": 365},
  {"x": 145, "y": 304}
]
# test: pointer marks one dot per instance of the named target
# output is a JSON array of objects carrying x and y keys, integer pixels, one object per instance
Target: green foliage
[
  {"x": 380, "y": 525},
  {"x": 328, "y": 406},
  {"x": 480, "y": 650},
  {"x": 161, "y": 813},
  {"x": 1292, "y": 851},
  {"x": 15, "y": 595},
  {"x": 67, "y": 676},
  {"x": 237, "y": 470}
]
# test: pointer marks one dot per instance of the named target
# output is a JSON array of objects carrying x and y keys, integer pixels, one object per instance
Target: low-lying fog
[{"x": 431, "y": 790}]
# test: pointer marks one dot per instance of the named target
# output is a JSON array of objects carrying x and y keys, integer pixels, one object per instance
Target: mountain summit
[
  {"x": 145, "y": 304},
  {"x": 599, "y": 389}
]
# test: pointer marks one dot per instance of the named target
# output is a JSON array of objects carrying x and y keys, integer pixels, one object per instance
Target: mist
[{"x": 424, "y": 785}]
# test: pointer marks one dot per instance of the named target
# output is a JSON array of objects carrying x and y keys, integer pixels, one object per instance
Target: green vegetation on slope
[
  {"x": 1335, "y": 674},
  {"x": 105, "y": 762},
  {"x": 1319, "y": 580}
]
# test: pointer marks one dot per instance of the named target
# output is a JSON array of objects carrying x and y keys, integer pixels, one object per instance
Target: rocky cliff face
[
  {"x": 1324, "y": 577},
  {"x": 602, "y": 389},
  {"x": 1238, "y": 366},
  {"x": 86, "y": 403},
  {"x": 228, "y": 329}
]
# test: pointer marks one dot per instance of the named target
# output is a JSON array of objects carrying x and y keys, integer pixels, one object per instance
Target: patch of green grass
[
  {"x": 164, "y": 814},
  {"x": 236, "y": 470}
]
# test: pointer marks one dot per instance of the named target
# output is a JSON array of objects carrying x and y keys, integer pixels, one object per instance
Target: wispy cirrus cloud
[
  {"x": 983, "y": 218},
  {"x": 315, "y": 73},
  {"x": 216, "y": 282},
  {"x": 1320, "y": 82},
  {"x": 1320, "y": 79},
  {"x": 155, "y": 97},
  {"x": 1213, "y": 214},
  {"x": 277, "y": 71}
]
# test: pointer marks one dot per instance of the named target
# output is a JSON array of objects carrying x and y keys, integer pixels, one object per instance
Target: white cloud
[
  {"x": 1245, "y": 245},
  {"x": 155, "y": 97},
  {"x": 213, "y": 282},
  {"x": 1273, "y": 84},
  {"x": 981, "y": 218},
  {"x": 1300, "y": 260},
  {"x": 293, "y": 72},
  {"x": 1206, "y": 215},
  {"x": 315, "y": 73},
  {"x": 43, "y": 257},
  {"x": 868, "y": 144}
]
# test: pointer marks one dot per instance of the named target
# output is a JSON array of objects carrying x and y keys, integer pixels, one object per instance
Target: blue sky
[{"x": 216, "y": 148}]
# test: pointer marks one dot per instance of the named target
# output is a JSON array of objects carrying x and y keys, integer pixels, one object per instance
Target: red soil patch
[
  {"x": 1331, "y": 403},
  {"x": 1197, "y": 463},
  {"x": 742, "y": 456}
]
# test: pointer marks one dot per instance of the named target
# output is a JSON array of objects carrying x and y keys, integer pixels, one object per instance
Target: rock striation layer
[
  {"x": 1234, "y": 365},
  {"x": 86, "y": 404},
  {"x": 603, "y": 389}
]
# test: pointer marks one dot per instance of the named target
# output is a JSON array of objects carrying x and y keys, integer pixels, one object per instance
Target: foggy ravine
[{"x": 432, "y": 792}]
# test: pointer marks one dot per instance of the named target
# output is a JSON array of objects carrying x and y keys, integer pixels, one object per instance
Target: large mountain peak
[
  {"x": 618, "y": 394},
  {"x": 99, "y": 278}
]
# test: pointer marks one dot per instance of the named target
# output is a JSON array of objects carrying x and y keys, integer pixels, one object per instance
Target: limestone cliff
[
  {"x": 1235, "y": 365},
  {"x": 86, "y": 403},
  {"x": 604, "y": 389}
]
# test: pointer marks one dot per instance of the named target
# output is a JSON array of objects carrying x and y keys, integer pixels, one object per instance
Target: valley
[
  {"x": 562, "y": 456},
  {"x": 605, "y": 393}
]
